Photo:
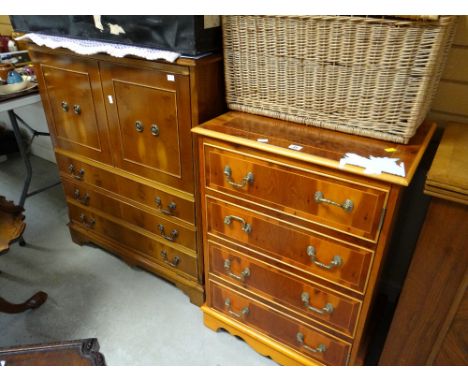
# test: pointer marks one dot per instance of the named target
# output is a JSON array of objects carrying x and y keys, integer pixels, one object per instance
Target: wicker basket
[{"x": 362, "y": 75}]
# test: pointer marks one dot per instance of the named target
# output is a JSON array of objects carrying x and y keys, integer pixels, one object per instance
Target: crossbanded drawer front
[
  {"x": 353, "y": 208},
  {"x": 320, "y": 256},
  {"x": 162, "y": 202},
  {"x": 311, "y": 301},
  {"x": 151, "y": 249},
  {"x": 302, "y": 338},
  {"x": 156, "y": 224}
]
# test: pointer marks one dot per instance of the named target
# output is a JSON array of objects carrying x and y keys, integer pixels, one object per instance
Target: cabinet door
[
  {"x": 149, "y": 123},
  {"x": 73, "y": 101}
]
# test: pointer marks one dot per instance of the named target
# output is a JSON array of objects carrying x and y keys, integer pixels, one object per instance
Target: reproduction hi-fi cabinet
[
  {"x": 293, "y": 241},
  {"x": 121, "y": 133}
]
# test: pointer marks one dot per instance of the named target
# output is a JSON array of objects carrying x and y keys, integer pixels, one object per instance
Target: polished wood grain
[
  {"x": 161, "y": 148},
  {"x": 289, "y": 244},
  {"x": 284, "y": 289},
  {"x": 129, "y": 189},
  {"x": 319, "y": 146},
  {"x": 437, "y": 270},
  {"x": 278, "y": 326},
  {"x": 429, "y": 326},
  {"x": 268, "y": 222},
  {"x": 173, "y": 256},
  {"x": 170, "y": 230},
  {"x": 67, "y": 353},
  {"x": 12, "y": 223},
  {"x": 136, "y": 149},
  {"x": 297, "y": 197},
  {"x": 73, "y": 102}
]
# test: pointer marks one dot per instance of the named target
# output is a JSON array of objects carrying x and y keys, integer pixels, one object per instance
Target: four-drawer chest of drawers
[
  {"x": 121, "y": 134},
  {"x": 294, "y": 242}
]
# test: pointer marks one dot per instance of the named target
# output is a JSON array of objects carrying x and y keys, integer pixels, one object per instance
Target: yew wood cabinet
[
  {"x": 293, "y": 242},
  {"x": 121, "y": 133}
]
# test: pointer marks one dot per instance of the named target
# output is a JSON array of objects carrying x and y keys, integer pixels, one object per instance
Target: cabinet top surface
[
  {"x": 448, "y": 175},
  {"x": 317, "y": 145}
]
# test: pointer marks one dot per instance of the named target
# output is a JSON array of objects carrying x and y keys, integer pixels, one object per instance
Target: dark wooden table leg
[{"x": 33, "y": 302}]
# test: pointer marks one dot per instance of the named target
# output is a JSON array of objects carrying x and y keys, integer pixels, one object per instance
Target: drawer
[
  {"x": 301, "y": 337},
  {"x": 162, "y": 202},
  {"x": 311, "y": 301},
  {"x": 149, "y": 248},
  {"x": 353, "y": 207},
  {"x": 308, "y": 251},
  {"x": 167, "y": 229}
]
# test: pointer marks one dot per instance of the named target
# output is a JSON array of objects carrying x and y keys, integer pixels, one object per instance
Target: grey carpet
[{"x": 138, "y": 318}]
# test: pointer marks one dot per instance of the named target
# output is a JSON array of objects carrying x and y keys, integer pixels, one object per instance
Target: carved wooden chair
[{"x": 12, "y": 226}]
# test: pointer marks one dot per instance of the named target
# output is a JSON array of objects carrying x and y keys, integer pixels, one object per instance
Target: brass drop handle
[
  {"x": 77, "y": 109},
  {"x": 79, "y": 175},
  {"x": 246, "y": 227},
  {"x": 244, "y": 312},
  {"x": 243, "y": 275},
  {"x": 173, "y": 235},
  {"x": 321, "y": 348},
  {"x": 88, "y": 223},
  {"x": 347, "y": 205},
  {"x": 248, "y": 179},
  {"x": 64, "y": 106},
  {"x": 327, "y": 309},
  {"x": 139, "y": 126},
  {"x": 175, "y": 261},
  {"x": 170, "y": 207},
  {"x": 155, "y": 130},
  {"x": 336, "y": 262},
  {"x": 82, "y": 199}
]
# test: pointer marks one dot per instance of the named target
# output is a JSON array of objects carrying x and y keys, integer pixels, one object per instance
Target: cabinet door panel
[
  {"x": 149, "y": 121},
  {"x": 73, "y": 102}
]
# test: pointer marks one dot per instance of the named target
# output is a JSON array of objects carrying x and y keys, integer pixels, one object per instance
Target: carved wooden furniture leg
[
  {"x": 11, "y": 228},
  {"x": 33, "y": 302}
]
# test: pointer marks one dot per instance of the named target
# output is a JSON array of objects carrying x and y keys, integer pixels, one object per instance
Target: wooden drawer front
[
  {"x": 293, "y": 191},
  {"x": 309, "y": 300},
  {"x": 73, "y": 103},
  {"x": 282, "y": 241},
  {"x": 278, "y": 326},
  {"x": 149, "y": 123},
  {"x": 149, "y": 248},
  {"x": 162, "y": 202},
  {"x": 168, "y": 230}
]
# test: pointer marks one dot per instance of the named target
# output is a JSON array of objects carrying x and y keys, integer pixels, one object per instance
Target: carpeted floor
[{"x": 138, "y": 318}]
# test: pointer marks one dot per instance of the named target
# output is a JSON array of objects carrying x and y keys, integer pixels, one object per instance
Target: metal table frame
[{"x": 9, "y": 104}]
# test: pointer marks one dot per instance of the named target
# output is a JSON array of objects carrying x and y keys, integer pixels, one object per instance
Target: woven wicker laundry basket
[{"x": 371, "y": 76}]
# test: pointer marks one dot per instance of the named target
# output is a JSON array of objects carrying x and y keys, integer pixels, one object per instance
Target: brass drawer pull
[
  {"x": 244, "y": 274},
  {"x": 175, "y": 261},
  {"x": 79, "y": 175},
  {"x": 336, "y": 262},
  {"x": 321, "y": 348},
  {"x": 249, "y": 178},
  {"x": 327, "y": 309},
  {"x": 244, "y": 312},
  {"x": 64, "y": 106},
  {"x": 173, "y": 235},
  {"x": 88, "y": 223},
  {"x": 77, "y": 109},
  {"x": 139, "y": 126},
  {"x": 83, "y": 200},
  {"x": 347, "y": 205},
  {"x": 155, "y": 130},
  {"x": 246, "y": 227},
  {"x": 170, "y": 207}
]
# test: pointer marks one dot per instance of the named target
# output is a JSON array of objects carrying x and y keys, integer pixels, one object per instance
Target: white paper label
[
  {"x": 109, "y": 97},
  {"x": 263, "y": 140},
  {"x": 295, "y": 147},
  {"x": 170, "y": 77}
]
